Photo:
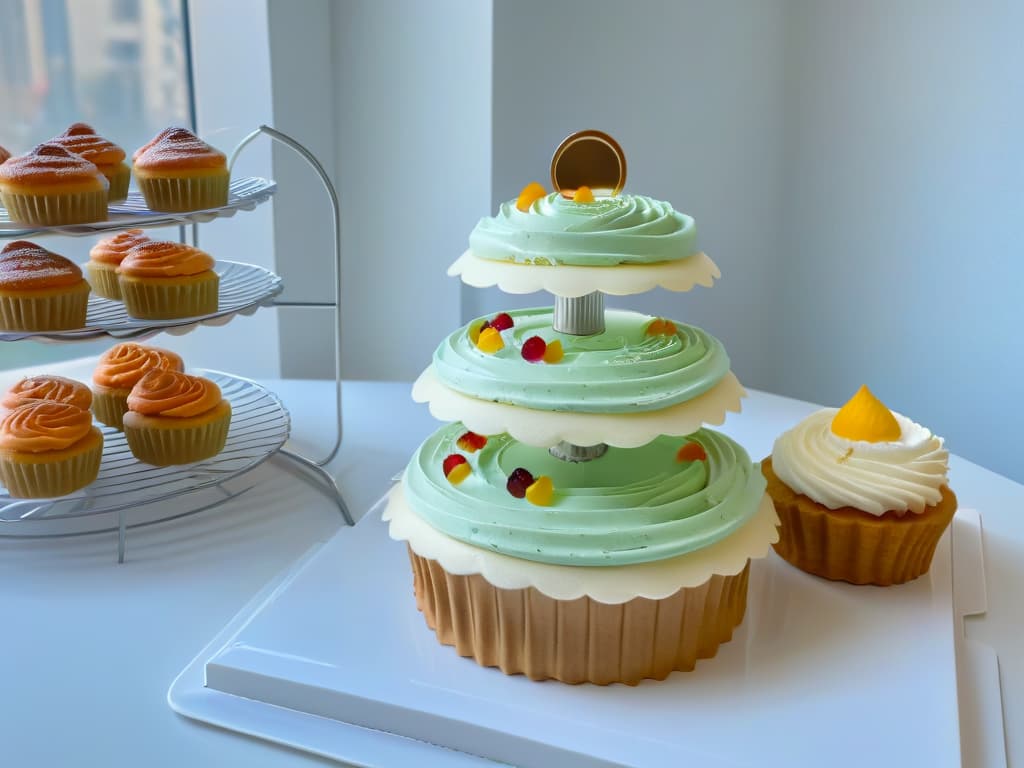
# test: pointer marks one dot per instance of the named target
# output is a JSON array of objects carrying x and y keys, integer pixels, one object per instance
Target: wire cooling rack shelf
[
  {"x": 243, "y": 195},
  {"x": 243, "y": 289},
  {"x": 259, "y": 427}
]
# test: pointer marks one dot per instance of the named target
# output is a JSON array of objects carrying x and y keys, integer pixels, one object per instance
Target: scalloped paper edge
[
  {"x": 613, "y": 584},
  {"x": 570, "y": 282},
  {"x": 547, "y": 428}
]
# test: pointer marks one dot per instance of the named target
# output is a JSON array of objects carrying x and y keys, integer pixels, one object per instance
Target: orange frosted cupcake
[
  {"x": 861, "y": 492},
  {"x": 52, "y": 187},
  {"x": 40, "y": 290},
  {"x": 162, "y": 280},
  {"x": 120, "y": 369},
  {"x": 48, "y": 449},
  {"x": 104, "y": 259},
  {"x": 177, "y": 171},
  {"x": 56, "y": 389},
  {"x": 81, "y": 139},
  {"x": 174, "y": 418}
]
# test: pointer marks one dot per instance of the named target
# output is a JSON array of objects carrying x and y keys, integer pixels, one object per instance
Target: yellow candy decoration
[
  {"x": 553, "y": 353},
  {"x": 459, "y": 473},
  {"x": 474, "y": 330},
  {"x": 866, "y": 418},
  {"x": 489, "y": 341},
  {"x": 541, "y": 491},
  {"x": 531, "y": 193},
  {"x": 583, "y": 195}
]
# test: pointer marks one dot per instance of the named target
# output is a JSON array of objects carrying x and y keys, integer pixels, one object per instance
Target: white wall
[
  {"x": 903, "y": 259},
  {"x": 413, "y": 84},
  {"x": 691, "y": 92}
]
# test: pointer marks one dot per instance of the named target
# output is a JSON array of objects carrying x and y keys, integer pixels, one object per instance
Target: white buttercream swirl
[{"x": 899, "y": 475}]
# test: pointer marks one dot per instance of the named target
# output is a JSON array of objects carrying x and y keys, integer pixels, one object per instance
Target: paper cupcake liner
[
  {"x": 51, "y": 311},
  {"x": 56, "y": 209},
  {"x": 109, "y": 407},
  {"x": 42, "y": 479},
  {"x": 522, "y": 631},
  {"x": 184, "y": 194},
  {"x": 163, "y": 446},
  {"x": 850, "y": 545},
  {"x": 119, "y": 177},
  {"x": 103, "y": 279},
  {"x": 166, "y": 298}
]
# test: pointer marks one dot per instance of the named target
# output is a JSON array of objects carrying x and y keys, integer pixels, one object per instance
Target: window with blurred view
[{"x": 119, "y": 65}]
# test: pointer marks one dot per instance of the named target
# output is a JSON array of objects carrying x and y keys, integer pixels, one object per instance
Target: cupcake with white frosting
[{"x": 861, "y": 492}]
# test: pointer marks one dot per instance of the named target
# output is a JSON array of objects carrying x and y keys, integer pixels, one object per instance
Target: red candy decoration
[
  {"x": 502, "y": 321},
  {"x": 471, "y": 442},
  {"x": 691, "y": 452},
  {"x": 533, "y": 349},
  {"x": 518, "y": 482},
  {"x": 452, "y": 461}
]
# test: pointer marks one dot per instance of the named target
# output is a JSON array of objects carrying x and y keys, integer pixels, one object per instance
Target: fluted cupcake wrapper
[
  {"x": 103, "y": 281},
  {"x": 164, "y": 299},
  {"x": 854, "y": 546},
  {"x": 56, "y": 209},
  {"x": 51, "y": 311},
  {"x": 110, "y": 406},
  {"x": 178, "y": 445},
  {"x": 43, "y": 480},
  {"x": 184, "y": 194},
  {"x": 523, "y": 631},
  {"x": 119, "y": 177}
]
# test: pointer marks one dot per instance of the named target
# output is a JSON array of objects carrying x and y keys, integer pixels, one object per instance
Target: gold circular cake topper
[{"x": 589, "y": 159}]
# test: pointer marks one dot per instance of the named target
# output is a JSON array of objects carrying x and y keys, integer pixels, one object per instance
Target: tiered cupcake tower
[{"x": 576, "y": 522}]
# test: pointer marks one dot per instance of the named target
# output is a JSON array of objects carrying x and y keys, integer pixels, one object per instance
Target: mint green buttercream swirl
[
  {"x": 626, "y": 229},
  {"x": 632, "y": 505},
  {"x": 618, "y": 371}
]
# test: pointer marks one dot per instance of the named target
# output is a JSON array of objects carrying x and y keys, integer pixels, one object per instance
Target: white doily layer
[
  {"x": 569, "y": 281},
  {"x": 613, "y": 584},
  {"x": 547, "y": 428}
]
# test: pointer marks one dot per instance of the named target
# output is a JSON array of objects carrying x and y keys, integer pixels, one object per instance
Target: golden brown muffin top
[
  {"x": 121, "y": 366},
  {"x": 44, "y": 425},
  {"x": 165, "y": 258},
  {"x": 112, "y": 250},
  {"x": 82, "y": 140},
  {"x": 173, "y": 394},
  {"x": 175, "y": 148},
  {"x": 51, "y": 164},
  {"x": 56, "y": 389},
  {"x": 27, "y": 266}
]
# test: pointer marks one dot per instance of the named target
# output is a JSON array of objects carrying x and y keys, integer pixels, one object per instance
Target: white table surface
[{"x": 90, "y": 647}]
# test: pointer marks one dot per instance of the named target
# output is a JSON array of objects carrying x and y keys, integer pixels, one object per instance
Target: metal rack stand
[{"x": 315, "y": 467}]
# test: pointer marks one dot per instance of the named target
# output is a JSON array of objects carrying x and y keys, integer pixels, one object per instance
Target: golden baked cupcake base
[
  {"x": 110, "y": 405},
  {"x": 847, "y": 544},
  {"x": 164, "y": 440},
  {"x": 52, "y": 473},
  {"x": 166, "y": 298},
  {"x": 103, "y": 279},
  {"x": 523, "y": 631},
  {"x": 56, "y": 209},
  {"x": 47, "y": 309},
  {"x": 120, "y": 177},
  {"x": 184, "y": 193}
]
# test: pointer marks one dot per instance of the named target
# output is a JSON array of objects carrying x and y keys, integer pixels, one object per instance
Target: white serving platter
[{"x": 334, "y": 659}]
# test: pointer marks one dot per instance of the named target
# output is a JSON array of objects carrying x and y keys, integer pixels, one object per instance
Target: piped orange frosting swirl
[
  {"x": 56, "y": 389},
  {"x": 174, "y": 394},
  {"x": 27, "y": 266},
  {"x": 164, "y": 258},
  {"x": 52, "y": 164},
  {"x": 175, "y": 148},
  {"x": 82, "y": 140},
  {"x": 44, "y": 426},
  {"x": 121, "y": 366},
  {"x": 112, "y": 250}
]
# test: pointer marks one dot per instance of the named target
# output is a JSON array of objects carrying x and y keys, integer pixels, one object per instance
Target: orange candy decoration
[
  {"x": 531, "y": 193},
  {"x": 691, "y": 451}
]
